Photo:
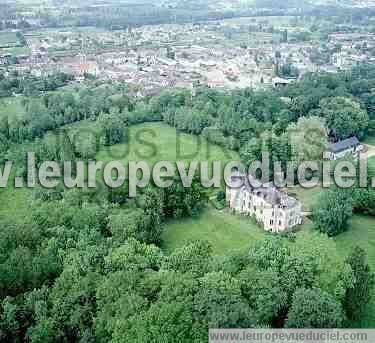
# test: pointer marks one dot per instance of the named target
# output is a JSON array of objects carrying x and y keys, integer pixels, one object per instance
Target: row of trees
[
  {"x": 337, "y": 206},
  {"x": 54, "y": 110},
  {"x": 31, "y": 85},
  {"x": 343, "y": 102}
]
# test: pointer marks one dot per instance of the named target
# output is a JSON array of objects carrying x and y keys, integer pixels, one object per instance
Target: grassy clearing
[
  {"x": 8, "y": 39},
  {"x": 308, "y": 196},
  {"x": 14, "y": 204},
  {"x": 16, "y": 51},
  {"x": 225, "y": 232},
  {"x": 148, "y": 142},
  {"x": 371, "y": 163},
  {"x": 154, "y": 142}
]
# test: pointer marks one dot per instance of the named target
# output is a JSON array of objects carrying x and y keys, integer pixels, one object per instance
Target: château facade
[{"x": 271, "y": 207}]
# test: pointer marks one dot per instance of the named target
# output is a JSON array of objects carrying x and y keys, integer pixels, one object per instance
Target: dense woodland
[{"x": 88, "y": 266}]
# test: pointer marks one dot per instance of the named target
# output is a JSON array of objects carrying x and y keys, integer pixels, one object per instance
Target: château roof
[{"x": 269, "y": 192}]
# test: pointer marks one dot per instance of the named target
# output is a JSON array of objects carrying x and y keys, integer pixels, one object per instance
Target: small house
[
  {"x": 350, "y": 146},
  {"x": 279, "y": 82}
]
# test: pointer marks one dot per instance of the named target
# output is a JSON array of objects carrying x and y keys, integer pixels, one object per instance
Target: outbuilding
[{"x": 350, "y": 146}]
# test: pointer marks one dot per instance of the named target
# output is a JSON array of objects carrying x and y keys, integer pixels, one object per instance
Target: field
[
  {"x": 371, "y": 163},
  {"x": 16, "y": 51},
  {"x": 10, "y": 44},
  {"x": 168, "y": 146},
  {"x": 8, "y": 39},
  {"x": 225, "y": 232},
  {"x": 13, "y": 202},
  {"x": 308, "y": 197},
  {"x": 154, "y": 142}
]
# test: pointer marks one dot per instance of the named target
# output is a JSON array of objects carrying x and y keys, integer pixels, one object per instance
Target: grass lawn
[
  {"x": 308, "y": 196},
  {"x": 371, "y": 163},
  {"x": 154, "y": 142},
  {"x": 225, "y": 232},
  {"x": 168, "y": 146},
  {"x": 14, "y": 205}
]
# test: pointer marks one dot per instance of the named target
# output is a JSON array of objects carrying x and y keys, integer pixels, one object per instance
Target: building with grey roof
[
  {"x": 271, "y": 207},
  {"x": 350, "y": 146}
]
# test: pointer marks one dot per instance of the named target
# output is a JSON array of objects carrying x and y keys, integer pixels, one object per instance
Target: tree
[
  {"x": 298, "y": 271},
  {"x": 193, "y": 258},
  {"x": 308, "y": 140},
  {"x": 191, "y": 120},
  {"x": 145, "y": 227},
  {"x": 113, "y": 127},
  {"x": 40, "y": 119},
  {"x": 334, "y": 209},
  {"x": 285, "y": 36},
  {"x": 162, "y": 322},
  {"x": 264, "y": 293},
  {"x": 179, "y": 201},
  {"x": 288, "y": 70},
  {"x": 251, "y": 151},
  {"x": 364, "y": 201},
  {"x": 358, "y": 296},
  {"x": 313, "y": 308},
  {"x": 134, "y": 256},
  {"x": 220, "y": 304},
  {"x": 345, "y": 117},
  {"x": 270, "y": 253}
]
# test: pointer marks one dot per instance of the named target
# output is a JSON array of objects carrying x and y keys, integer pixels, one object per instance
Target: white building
[
  {"x": 280, "y": 82},
  {"x": 272, "y": 208},
  {"x": 350, "y": 146}
]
